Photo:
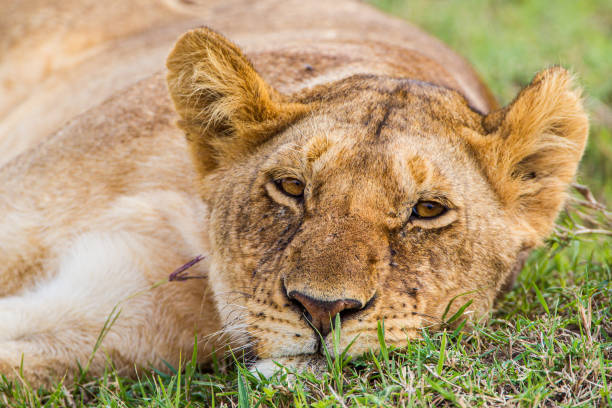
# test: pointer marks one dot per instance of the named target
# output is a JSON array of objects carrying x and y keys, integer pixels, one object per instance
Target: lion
[{"x": 342, "y": 167}]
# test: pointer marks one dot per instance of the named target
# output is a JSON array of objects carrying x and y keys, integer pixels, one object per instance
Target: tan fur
[
  {"x": 369, "y": 113},
  {"x": 223, "y": 104},
  {"x": 535, "y": 148}
]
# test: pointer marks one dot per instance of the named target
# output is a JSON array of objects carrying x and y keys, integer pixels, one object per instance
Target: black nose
[{"x": 322, "y": 312}]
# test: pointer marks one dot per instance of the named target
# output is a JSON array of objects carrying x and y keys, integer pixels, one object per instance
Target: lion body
[
  {"x": 75, "y": 48},
  {"x": 100, "y": 199}
]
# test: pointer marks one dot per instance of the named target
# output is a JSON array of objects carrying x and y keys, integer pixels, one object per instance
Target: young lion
[{"x": 350, "y": 166}]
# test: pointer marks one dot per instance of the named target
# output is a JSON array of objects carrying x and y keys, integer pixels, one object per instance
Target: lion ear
[
  {"x": 226, "y": 108},
  {"x": 533, "y": 148}
]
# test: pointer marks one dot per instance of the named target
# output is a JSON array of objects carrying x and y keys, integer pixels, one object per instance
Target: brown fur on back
[{"x": 64, "y": 48}]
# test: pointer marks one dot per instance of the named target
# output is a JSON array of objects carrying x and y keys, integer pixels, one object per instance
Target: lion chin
[{"x": 312, "y": 363}]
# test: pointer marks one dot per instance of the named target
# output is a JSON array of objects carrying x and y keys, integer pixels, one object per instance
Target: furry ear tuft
[
  {"x": 226, "y": 108},
  {"x": 533, "y": 148}
]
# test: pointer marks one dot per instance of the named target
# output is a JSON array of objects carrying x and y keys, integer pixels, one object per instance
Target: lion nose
[{"x": 321, "y": 313}]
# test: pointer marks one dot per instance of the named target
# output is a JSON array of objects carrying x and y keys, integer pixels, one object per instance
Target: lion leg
[
  {"x": 56, "y": 324},
  {"x": 22, "y": 251}
]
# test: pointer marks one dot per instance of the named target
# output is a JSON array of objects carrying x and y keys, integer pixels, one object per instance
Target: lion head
[{"x": 371, "y": 198}]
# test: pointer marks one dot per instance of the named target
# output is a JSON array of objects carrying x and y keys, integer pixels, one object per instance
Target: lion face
[
  {"x": 372, "y": 198},
  {"x": 331, "y": 217}
]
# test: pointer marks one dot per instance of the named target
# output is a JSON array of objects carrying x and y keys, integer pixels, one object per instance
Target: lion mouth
[{"x": 311, "y": 358}]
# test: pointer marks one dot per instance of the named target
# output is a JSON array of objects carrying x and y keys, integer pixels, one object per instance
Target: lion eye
[
  {"x": 428, "y": 209},
  {"x": 290, "y": 186}
]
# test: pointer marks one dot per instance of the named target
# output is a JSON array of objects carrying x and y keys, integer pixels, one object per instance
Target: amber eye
[
  {"x": 290, "y": 186},
  {"x": 428, "y": 209}
]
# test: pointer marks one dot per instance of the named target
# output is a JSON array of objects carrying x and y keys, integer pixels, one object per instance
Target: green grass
[{"x": 549, "y": 341}]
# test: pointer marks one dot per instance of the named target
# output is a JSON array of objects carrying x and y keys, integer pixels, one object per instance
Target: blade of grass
[
  {"x": 442, "y": 357},
  {"x": 459, "y": 312},
  {"x": 384, "y": 350},
  {"x": 541, "y": 298},
  {"x": 243, "y": 394}
]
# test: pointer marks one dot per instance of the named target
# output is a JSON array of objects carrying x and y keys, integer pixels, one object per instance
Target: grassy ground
[{"x": 549, "y": 342}]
